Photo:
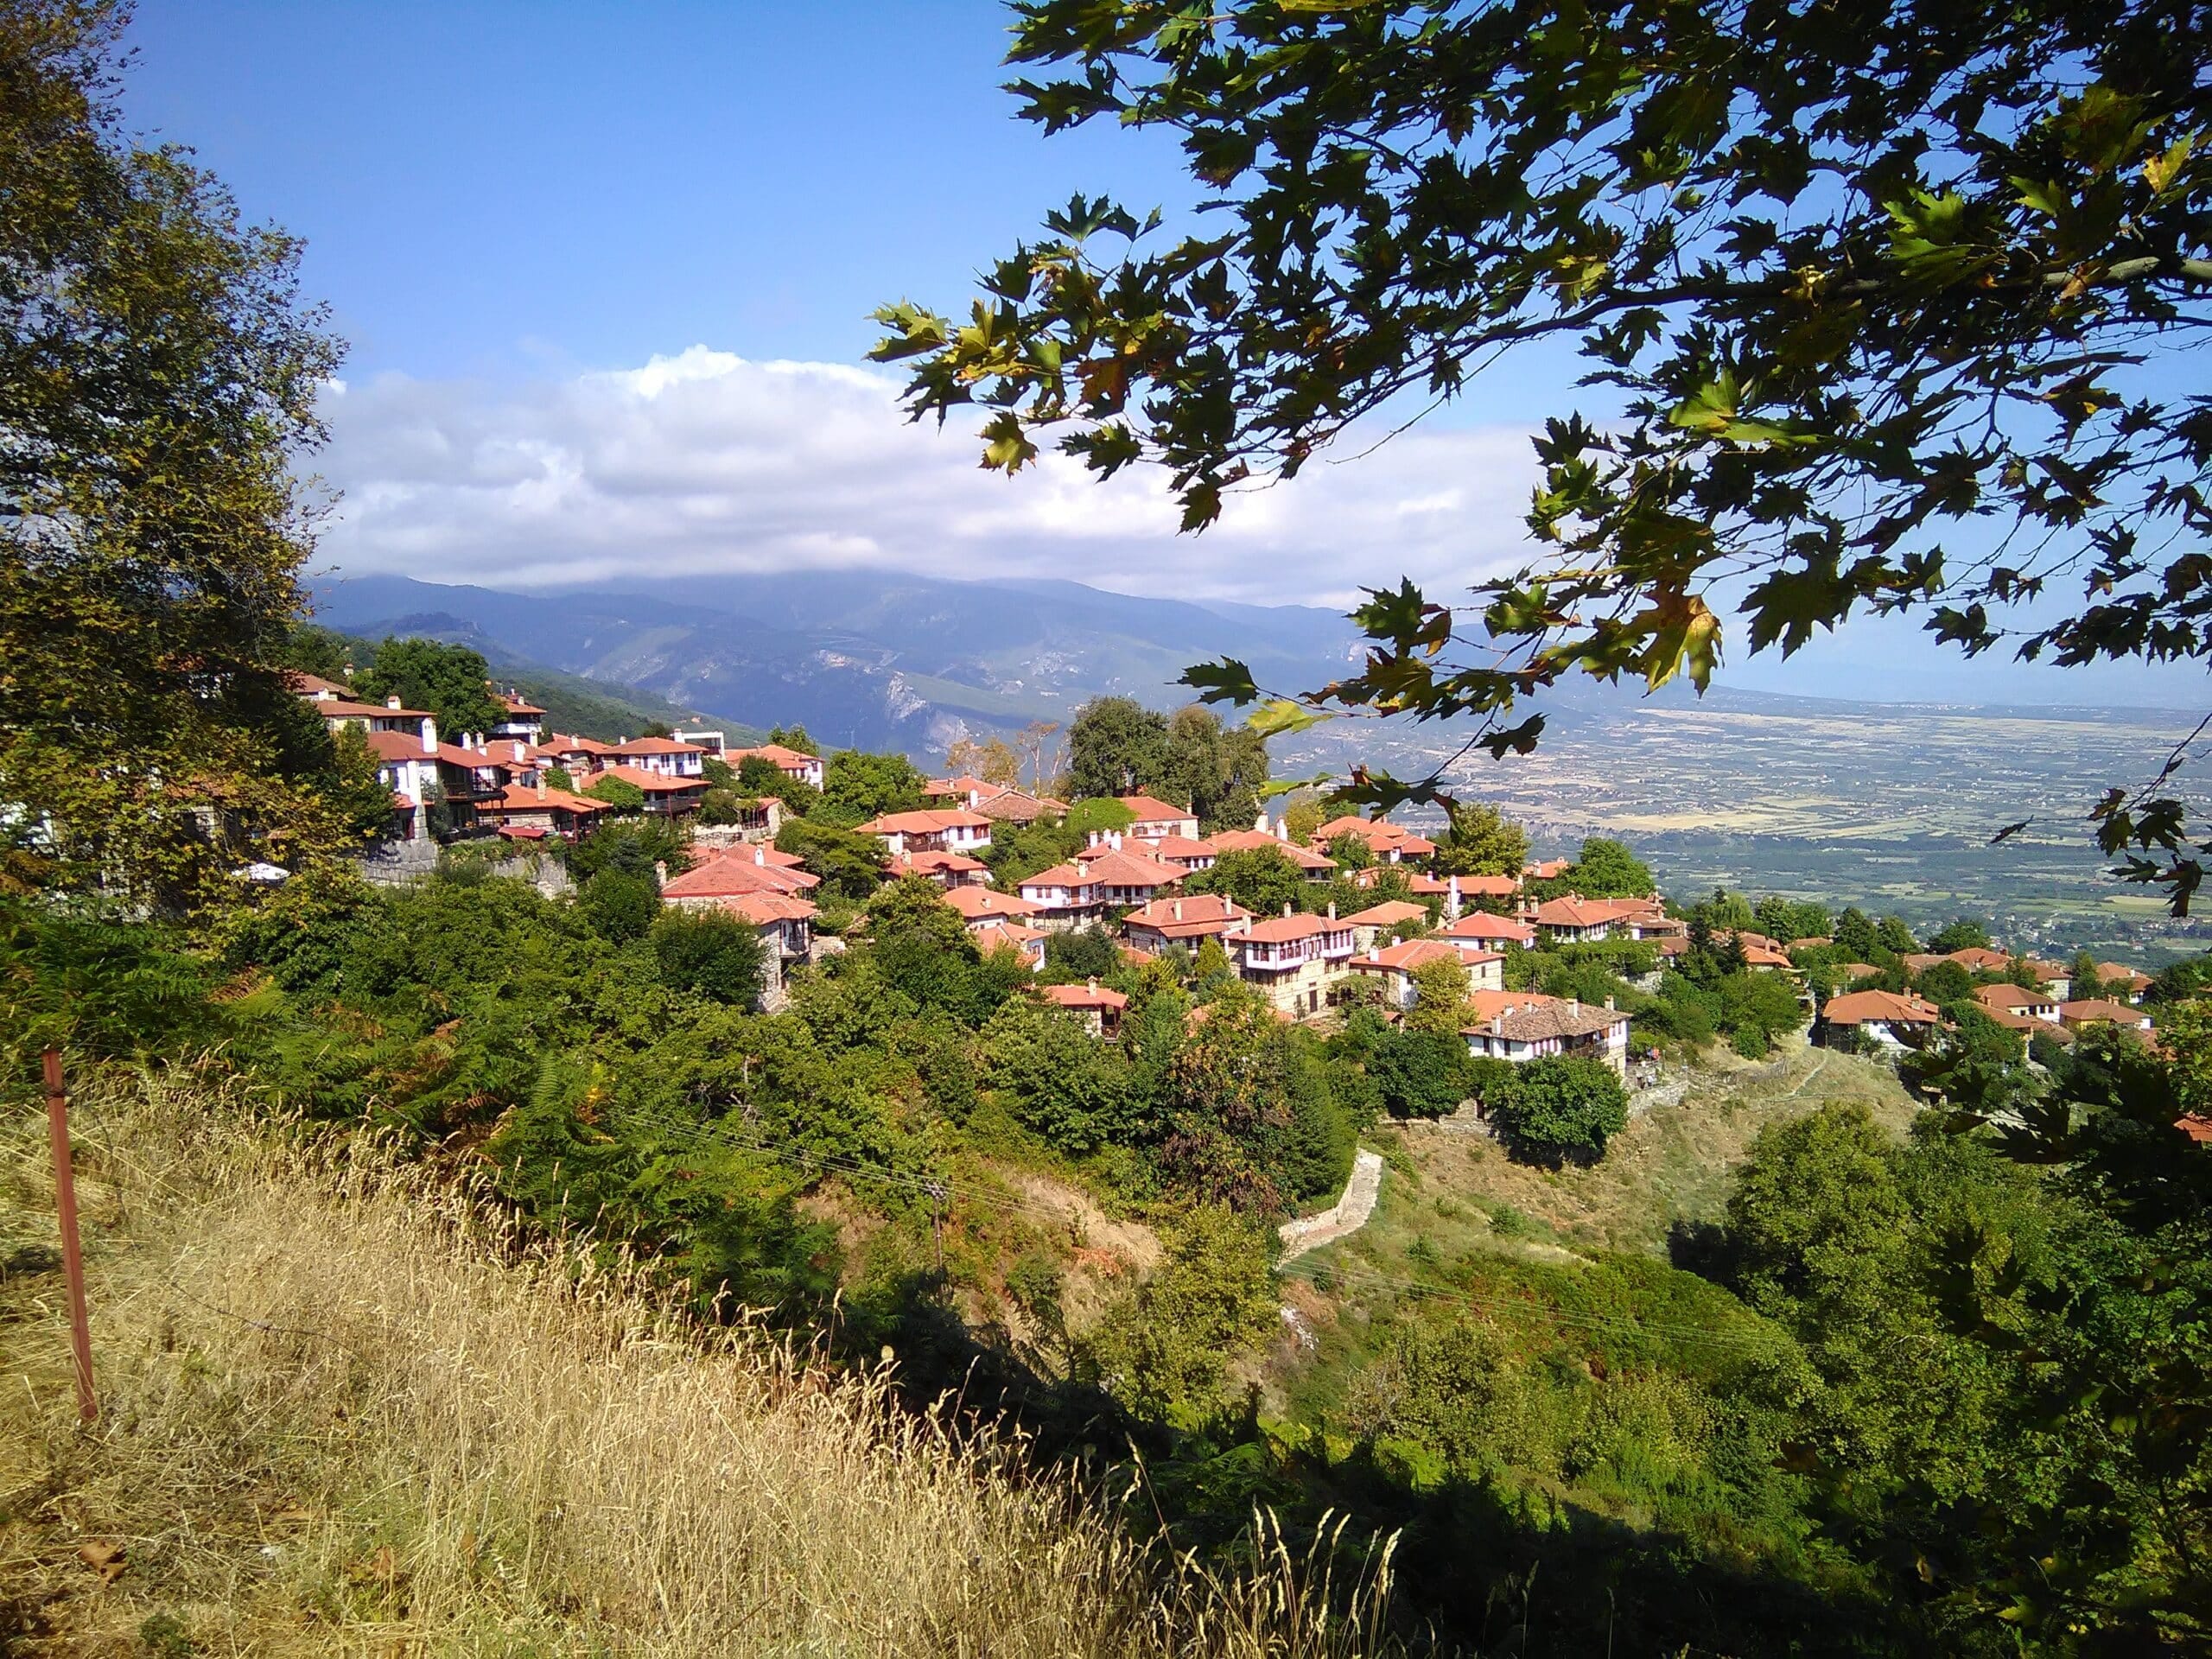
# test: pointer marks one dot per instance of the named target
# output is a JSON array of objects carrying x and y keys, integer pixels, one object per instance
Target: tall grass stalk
[{"x": 345, "y": 1411}]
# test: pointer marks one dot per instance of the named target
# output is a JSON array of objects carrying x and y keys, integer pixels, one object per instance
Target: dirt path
[
  {"x": 1819, "y": 1066},
  {"x": 1347, "y": 1215}
]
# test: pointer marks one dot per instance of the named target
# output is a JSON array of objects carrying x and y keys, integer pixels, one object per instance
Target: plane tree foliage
[
  {"x": 1880, "y": 303},
  {"x": 158, "y": 377}
]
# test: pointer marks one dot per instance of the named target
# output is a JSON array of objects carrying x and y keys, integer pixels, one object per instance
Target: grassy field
[
  {"x": 343, "y": 1414},
  {"x": 1455, "y": 1211}
]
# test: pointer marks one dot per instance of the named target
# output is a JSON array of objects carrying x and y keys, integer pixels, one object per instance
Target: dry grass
[
  {"x": 343, "y": 1417},
  {"x": 1675, "y": 1163}
]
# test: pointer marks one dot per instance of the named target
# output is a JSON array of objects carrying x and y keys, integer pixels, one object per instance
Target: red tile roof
[
  {"x": 926, "y": 821},
  {"x": 775, "y": 754},
  {"x": 762, "y": 908},
  {"x": 1244, "y": 840},
  {"x": 1191, "y": 917},
  {"x": 1006, "y": 935},
  {"x": 1119, "y": 868},
  {"x": 1013, "y": 806},
  {"x": 655, "y": 782},
  {"x": 1488, "y": 887},
  {"x": 734, "y": 874},
  {"x": 2100, "y": 1010},
  {"x": 1285, "y": 930},
  {"x": 1572, "y": 912},
  {"x": 1085, "y": 997},
  {"x": 2009, "y": 996},
  {"x": 656, "y": 746},
  {"x": 518, "y": 797},
  {"x": 1531, "y": 1017},
  {"x": 1884, "y": 1007},
  {"x": 1391, "y": 912},
  {"x": 975, "y": 903},
  {"x": 1475, "y": 924},
  {"x": 1145, "y": 809},
  {"x": 1409, "y": 954}
]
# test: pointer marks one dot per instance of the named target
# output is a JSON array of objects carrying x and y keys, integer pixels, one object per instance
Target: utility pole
[{"x": 73, "y": 1254}]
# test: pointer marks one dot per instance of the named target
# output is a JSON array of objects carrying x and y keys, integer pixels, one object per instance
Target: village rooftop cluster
[{"x": 1131, "y": 882}]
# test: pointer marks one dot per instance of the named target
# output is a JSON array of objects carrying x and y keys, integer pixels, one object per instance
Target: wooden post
[{"x": 73, "y": 1254}]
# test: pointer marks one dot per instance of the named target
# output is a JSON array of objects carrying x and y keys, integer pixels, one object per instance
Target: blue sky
[{"x": 605, "y": 272}]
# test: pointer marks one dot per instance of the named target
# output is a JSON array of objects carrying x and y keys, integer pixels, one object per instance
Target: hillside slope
[{"x": 343, "y": 1413}]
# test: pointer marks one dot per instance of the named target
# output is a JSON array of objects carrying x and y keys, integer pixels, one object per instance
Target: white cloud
[{"x": 706, "y": 461}]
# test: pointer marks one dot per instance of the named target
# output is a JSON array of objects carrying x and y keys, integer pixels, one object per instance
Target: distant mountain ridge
[
  {"x": 888, "y": 660},
  {"x": 868, "y": 659}
]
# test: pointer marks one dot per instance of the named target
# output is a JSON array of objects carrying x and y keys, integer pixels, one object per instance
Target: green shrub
[{"x": 1559, "y": 1109}]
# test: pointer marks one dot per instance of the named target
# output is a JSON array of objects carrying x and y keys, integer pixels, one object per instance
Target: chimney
[
  {"x": 1609, "y": 1005},
  {"x": 1574, "y": 1005},
  {"x": 1092, "y": 984},
  {"x": 1332, "y": 910},
  {"x": 1260, "y": 824},
  {"x": 1179, "y": 910},
  {"x": 1286, "y": 912},
  {"x": 392, "y": 702},
  {"x": 759, "y": 854},
  {"x": 430, "y": 732},
  {"x": 541, "y": 789},
  {"x": 660, "y": 871}
]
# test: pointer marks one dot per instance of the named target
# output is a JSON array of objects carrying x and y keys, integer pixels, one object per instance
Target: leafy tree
[
  {"x": 158, "y": 377},
  {"x": 1945, "y": 982},
  {"x": 1855, "y": 934},
  {"x": 1419, "y": 1073},
  {"x": 1960, "y": 935},
  {"x": 857, "y": 786},
  {"x": 759, "y": 776},
  {"x": 1439, "y": 998},
  {"x": 1350, "y": 852},
  {"x": 847, "y": 863},
  {"x": 1892, "y": 935},
  {"x": 1087, "y": 953},
  {"x": 1115, "y": 745},
  {"x": 794, "y": 738},
  {"x": 1172, "y": 1343},
  {"x": 448, "y": 681},
  {"x": 656, "y": 728},
  {"x": 1093, "y": 816},
  {"x": 710, "y": 953},
  {"x": 353, "y": 787},
  {"x": 636, "y": 846},
  {"x": 1258, "y": 878},
  {"x": 1302, "y": 816},
  {"x": 1787, "y": 919},
  {"x": 560, "y": 778},
  {"x": 1794, "y": 244},
  {"x": 1479, "y": 840},
  {"x": 993, "y": 761},
  {"x": 1606, "y": 870},
  {"x": 721, "y": 806},
  {"x": 618, "y": 793},
  {"x": 1559, "y": 1109},
  {"x": 2083, "y": 979},
  {"x": 620, "y": 905},
  {"x": 1065, "y": 1084},
  {"x": 323, "y": 652},
  {"x": 1219, "y": 770}
]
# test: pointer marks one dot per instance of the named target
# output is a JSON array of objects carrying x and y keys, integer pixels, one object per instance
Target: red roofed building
[
  {"x": 1065, "y": 897},
  {"x": 1150, "y": 817},
  {"x": 2101, "y": 1011},
  {"x": 1390, "y": 919},
  {"x": 1292, "y": 959},
  {"x": 734, "y": 875},
  {"x": 1549, "y": 869},
  {"x": 1891, "y": 1019},
  {"x": 665, "y": 796},
  {"x": 1315, "y": 866},
  {"x": 1128, "y": 878},
  {"x": 1017, "y": 806},
  {"x": 2121, "y": 982},
  {"x": 1186, "y": 921},
  {"x": 1025, "y": 942},
  {"x": 946, "y": 869},
  {"x": 2037, "y": 1005},
  {"x": 540, "y": 808},
  {"x": 784, "y": 923},
  {"x": 519, "y": 717},
  {"x": 1574, "y": 920},
  {"x": 1497, "y": 932},
  {"x": 1096, "y": 1005},
  {"x": 1395, "y": 965},
  {"x": 1181, "y": 851},
  {"x": 662, "y": 754},
  {"x": 807, "y": 768},
  {"x": 1391, "y": 843},
  {"x": 953, "y": 829},
  {"x": 1524, "y": 1026},
  {"x": 980, "y": 906}
]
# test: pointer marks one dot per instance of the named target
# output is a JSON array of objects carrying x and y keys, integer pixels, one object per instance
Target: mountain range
[
  {"x": 868, "y": 660},
  {"x": 880, "y": 659}
]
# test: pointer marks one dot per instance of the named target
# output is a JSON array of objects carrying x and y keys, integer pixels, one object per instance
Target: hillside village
[{"x": 529, "y": 786}]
